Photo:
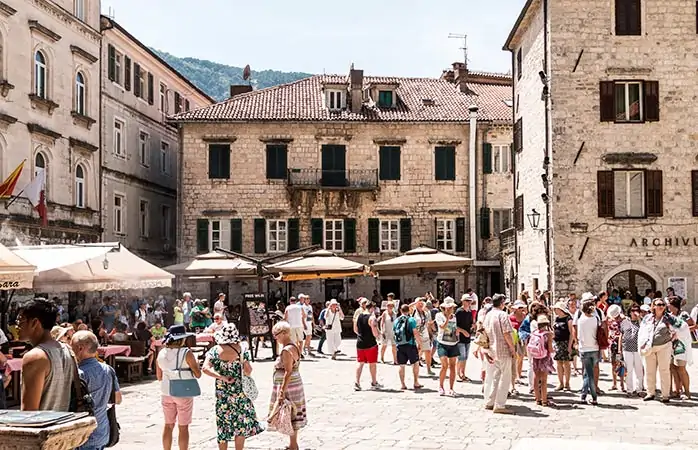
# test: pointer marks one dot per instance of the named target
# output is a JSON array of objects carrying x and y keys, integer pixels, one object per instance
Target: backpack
[
  {"x": 536, "y": 346},
  {"x": 400, "y": 330}
]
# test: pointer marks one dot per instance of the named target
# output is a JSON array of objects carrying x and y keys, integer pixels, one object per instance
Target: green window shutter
[
  {"x": 219, "y": 161},
  {"x": 405, "y": 235},
  {"x": 294, "y": 241},
  {"x": 486, "y": 158},
  {"x": 202, "y": 236},
  {"x": 277, "y": 156},
  {"x": 460, "y": 234},
  {"x": 177, "y": 103},
  {"x": 127, "y": 73},
  {"x": 151, "y": 92},
  {"x": 512, "y": 161},
  {"x": 374, "y": 235},
  {"x": 485, "y": 223},
  {"x": 260, "y": 236},
  {"x": 136, "y": 80},
  {"x": 236, "y": 235},
  {"x": 350, "y": 235},
  {"x": 383, "y": 163},
  {"x": 316, "y": 232},
  {"x": 389, "y": 162},
  {"x": 445, "y": 163},
  {"x": 111, "y": 70}
]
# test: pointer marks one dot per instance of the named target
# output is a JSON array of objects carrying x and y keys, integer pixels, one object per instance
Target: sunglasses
[
  {"x": 660, "y": 304},
  {"x": 279, "y": 333}
]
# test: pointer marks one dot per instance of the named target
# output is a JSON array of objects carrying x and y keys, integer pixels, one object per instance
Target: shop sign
[{"x": 664, "y": 242}]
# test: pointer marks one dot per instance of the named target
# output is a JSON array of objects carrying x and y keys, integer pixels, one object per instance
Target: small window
[
  {"x": 334, "y": 235},
  {"x": 39, "y": 163},
  {"x": 166, "y": 223},
  {"x": 177, "y": 103},
  {"x": 117, "y": 67},
  {"x": 144, "y": 218},
  {"x": 277, "y": 159},
  {"x": 389, "y": 235},
  {"x": 80, "y": 97},
  {"x": 501, "y": 219},
  {"x": 219, "y": 161},
  {"x": 118, "y": 143},
  {"x": 163, "y": 98},
  {"x": 446, "y": 234},
  {"x": 79, "y": 186},
  {"x": 40, "y": 71},
  {"x": 144, "y": 149},
  {"x": 628, "y": 17},
  {"x": 165, "y": 158},
  {"x": 119, "y": 214},
  {"x": 218, "y": 234},
  {"x": 335, "y": 99},
  {"x": 628, "y": 101},
  {"x": 630, "y": 193},
  {"x": 80, "y": 9},
  {"x": 445, "y": 161},
  {"x": 629, "y": 190},
  {"x": 277, "y": 236},
  {"x": 500, "y": 158},
  {"x": 385, "y": 99},
  {"x": 389, "y": 161}
]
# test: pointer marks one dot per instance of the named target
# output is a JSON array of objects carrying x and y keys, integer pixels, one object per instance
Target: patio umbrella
[
  {"x": 317, "y": 265},
  {"x": 15, "y": 273},
  {"x": 420, "y": 260},
  {"x": 214, "y": 264}
]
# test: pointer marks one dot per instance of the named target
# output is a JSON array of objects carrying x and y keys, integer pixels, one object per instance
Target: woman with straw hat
[
  {"x": 333, "y": 327},
  {"x": 446, "y": 347},
  {"x": 563, "y": 343}
]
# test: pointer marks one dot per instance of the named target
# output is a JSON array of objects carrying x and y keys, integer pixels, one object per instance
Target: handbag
[
  {"x": 280, "y": 419},
  {"x": 114, "y": 427},
  {"x": 249, "y": 387},
  {"x": 80, "y": 397},
  {"x": 184, "y": 388},
  {"x": 602, "y": 336},
  {"x": 329, "y": 327}
]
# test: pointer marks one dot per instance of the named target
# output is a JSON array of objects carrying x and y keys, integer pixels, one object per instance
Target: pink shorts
[{"x": 177, "y": 410}]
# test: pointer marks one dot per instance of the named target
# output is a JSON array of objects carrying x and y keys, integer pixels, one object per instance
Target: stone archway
[{"x": 633, "y": 278}]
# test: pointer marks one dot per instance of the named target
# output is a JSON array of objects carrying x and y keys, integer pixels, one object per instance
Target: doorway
[
  {"x": 333, "y": 165},
  {"x": 496, "y": 282},
  {"x": 634, "y": 281},
  {"x": 333, "y": 288},
  {"x": 445, "y": 288},
  {"x": 390, "y": 286}
]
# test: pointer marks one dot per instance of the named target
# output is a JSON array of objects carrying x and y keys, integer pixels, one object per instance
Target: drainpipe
[
  {"x": 548, "y": 188},
  {"x": 472, "y": 182}
]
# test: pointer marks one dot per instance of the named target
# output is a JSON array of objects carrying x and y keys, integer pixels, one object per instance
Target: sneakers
[
  {"x": 648, "y": 397},
  {"x": 375, "y": 386},
  {"x": 442, "y": 392},
  {"x": 357, "y": 387}
]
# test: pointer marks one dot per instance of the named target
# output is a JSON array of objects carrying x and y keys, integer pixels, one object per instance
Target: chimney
[
  {"x": 460, "y": 70},
  {"x": 237, "y": 89},
  {"x": 447, "y": 75},
  {"x": 356, "y": 87}
]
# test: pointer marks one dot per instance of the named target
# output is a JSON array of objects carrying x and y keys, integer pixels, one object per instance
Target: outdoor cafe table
[
  {"x": 14, "y": 368},
  {"x": 108, "y": 352}
]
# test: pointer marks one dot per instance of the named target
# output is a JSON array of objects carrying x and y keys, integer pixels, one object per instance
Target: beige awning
[
  {"x": 317, "y": 264},
  {"x": 91, "y": 267},
  {"x": 214, "y": 264},
  {"x": 15, "y": 273},
  {"x": 420, "y": 260}
]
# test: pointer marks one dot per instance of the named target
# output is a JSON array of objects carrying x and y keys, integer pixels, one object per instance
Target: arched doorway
[{"x": 634, "y": 281}]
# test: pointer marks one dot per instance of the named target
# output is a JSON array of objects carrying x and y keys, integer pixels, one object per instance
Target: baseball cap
[{"x": 645, "y": 308}]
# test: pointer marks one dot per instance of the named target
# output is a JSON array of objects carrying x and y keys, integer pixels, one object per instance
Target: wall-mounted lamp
[
  {"x": 545, "y": 197},
  {"x": 544, "y": 177},
  {"x": 534, "y": 219}
]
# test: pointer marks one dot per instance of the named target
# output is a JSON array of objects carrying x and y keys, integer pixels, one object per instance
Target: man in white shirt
[
  {"x": 474, "y": 301},
  {"x": 295, "y": 316},
  {"x": 309, "y": 321},
  {"x": 219, "y": 306},
  {"x": 601, "y": 317}
]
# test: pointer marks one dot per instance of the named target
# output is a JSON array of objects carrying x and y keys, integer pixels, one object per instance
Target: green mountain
[{"x": 215, "y": 79}]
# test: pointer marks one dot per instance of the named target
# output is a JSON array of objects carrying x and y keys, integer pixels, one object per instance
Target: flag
[
  {"x": 36, "y": 193},
  {"x": 7, "y": 187}
]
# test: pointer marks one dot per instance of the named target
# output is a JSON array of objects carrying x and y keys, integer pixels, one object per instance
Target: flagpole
[{"x": 14, "y": 197}]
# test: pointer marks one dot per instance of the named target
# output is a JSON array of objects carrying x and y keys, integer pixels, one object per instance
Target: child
[
  {"x": 158, "y": 331},
  {"x": 540, "y": 350}
]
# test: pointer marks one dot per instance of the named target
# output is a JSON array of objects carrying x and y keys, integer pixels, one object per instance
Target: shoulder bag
[
  {"x": 187, "y": 387},
  {"x": 602, "y": 336},
  {"x": 114, "y": 427},
  {"x": 249, "y": 387},
  {"x": 80, "y": 397}
]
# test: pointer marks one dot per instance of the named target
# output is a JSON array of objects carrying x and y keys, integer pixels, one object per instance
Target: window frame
[
  {"x": 220, "y": 146},
  {"x": 163, "y": 98},
  {"x": 144, "y": 148},
  {"x": 382, "y": 104},
  {"x": 143, "y": 218},
  {"x": 497, "y": 220},
  {"x": 504, "y": 151},
  {"x": 80, "y": 93},
  {"x": 118, "y": 79},
  {"x": 223, "y": 233},
  {"x": 41, "y": 155},
  {"x": 80, "y": 193},
  {"x": 627, "y": 174},
  {"x": 164, "y": 158},
  {"x": 278, "y": 241},
  {"x": 444, "y": 176},
  {"x": 443, "y": 241},
  {"x": 277, "y": 174},
  {"x": 393, "y": 235},
  {"x": 119, "y": 143},
  {"x": 119, "y": 226},
  {"x": 80, "y": 9},
  {"x": 627, "y": 31},
  {"x": 641, "y": 100},
  {"x": 41, "y": 74},
  {"x": 331, "y": 99},
  {"x": 519, "y": 63},
  {"x": 334, "y": 240},
  {"x": 166, "y": 222},
  {"x": 393, "y": 173}
]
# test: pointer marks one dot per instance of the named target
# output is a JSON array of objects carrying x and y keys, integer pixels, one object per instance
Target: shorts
[
  {"x": 678, "y": 362},
  {"x": 297, "y": 334},
  {"x": 367, "y": 355},
  {"x": 407, "y": 354},
  {"x": 177, "y": 410},
  {"x": 426, "y": 344},
  {"x": 447, "y": 351},
  {"x": 463, "y": 350}
]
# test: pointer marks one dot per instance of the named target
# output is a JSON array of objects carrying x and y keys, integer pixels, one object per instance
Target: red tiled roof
[{"x": 302, "y": 100}]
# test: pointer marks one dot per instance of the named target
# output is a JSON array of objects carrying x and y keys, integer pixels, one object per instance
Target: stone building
[
  {"x": 368, "y": 167},
  {"x": 139, "y": 149},
  {"x": 49, "y": 116},
  {"x": 592, "y": 169}
]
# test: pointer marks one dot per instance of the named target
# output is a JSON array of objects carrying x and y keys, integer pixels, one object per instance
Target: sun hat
[
  {"x": 391, "y": 295},
  {"x": 562, "y": 306},
  {"x": 363, "y": 300},
  {"x": 466, "y": 298},
  {"x": 645, "y": 308},
  {"x": 333, "y": 302},
  {"x": 228, "y": 334},
  {"x": 175, "y": 333},
  {"x": 587, "y": 296},
  {"x": 448, "y": 303},
  {"x": 518, "y": 304},
  {"x": 614, "y": 311},
  {"x": 57, "y": 332},
  {"x": 542, "y": 319}
]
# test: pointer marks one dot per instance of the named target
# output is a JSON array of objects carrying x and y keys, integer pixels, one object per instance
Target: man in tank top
[{"x": 48, "y": 368}]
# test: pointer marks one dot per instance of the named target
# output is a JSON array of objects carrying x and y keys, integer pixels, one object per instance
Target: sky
[{"x": 382, "y": 37}]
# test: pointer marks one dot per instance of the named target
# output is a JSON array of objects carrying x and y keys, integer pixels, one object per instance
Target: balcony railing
[
  {"x": 353, "y": 179},
  {"x": 507, "y": 240}
]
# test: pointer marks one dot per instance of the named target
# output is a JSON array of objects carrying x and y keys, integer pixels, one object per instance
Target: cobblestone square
[{"x": 340, "y": 418}]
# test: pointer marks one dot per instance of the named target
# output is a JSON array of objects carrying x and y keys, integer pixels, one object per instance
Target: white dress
[{"x": 334, "y": 331}]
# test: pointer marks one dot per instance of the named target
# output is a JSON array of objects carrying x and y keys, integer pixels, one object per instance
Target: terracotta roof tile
[{"x": 302, "y": 100}]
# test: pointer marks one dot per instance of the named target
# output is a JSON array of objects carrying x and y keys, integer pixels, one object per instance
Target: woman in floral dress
[{"x": 236, "y": 418}]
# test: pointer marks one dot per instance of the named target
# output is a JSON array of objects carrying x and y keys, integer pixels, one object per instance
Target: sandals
[{"x": 418, "y": 386}]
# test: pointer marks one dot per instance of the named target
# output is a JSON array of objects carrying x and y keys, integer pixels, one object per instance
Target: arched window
[
  {"x": 79, "y": 186},
  {"x": 40, "y": 75},
  {"x": 80, "y": 94},
  {"x": 39, "y": 163}
]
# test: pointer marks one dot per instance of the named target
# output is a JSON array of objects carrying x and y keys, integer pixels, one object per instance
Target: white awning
[{"x": 15, "y": 273}]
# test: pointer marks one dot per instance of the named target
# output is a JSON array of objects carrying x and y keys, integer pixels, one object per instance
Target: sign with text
[
  {"x": 257, "y": 314},
  {"x": 664, "y": 242}
]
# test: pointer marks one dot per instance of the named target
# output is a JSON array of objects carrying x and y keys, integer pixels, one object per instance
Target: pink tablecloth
[
  {"x": 203, "y": 338},
  {"x": 14, "y": 365},
  {"x": 114, "y": 350}
]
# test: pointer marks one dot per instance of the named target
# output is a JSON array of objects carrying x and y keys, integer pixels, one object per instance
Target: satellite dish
[{"x": 246, "y": 72}]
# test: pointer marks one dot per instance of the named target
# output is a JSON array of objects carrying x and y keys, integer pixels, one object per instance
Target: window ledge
[
  {"x": 5, "y": 87},
  {"x": 38, "y": 129},
  {"x": 77, "y": 143},
  {"x": 34, "y": 25},
  {"x": 7, "y": 10},
  {"x": 81, "y": 119},
  {"x": 7, "y": 119},
  {"x": 84, "y": 54},
  {"x": 43, "y": 103}
]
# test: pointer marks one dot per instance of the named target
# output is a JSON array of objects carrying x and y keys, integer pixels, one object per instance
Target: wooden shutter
[
  {"x": 127, "y": 73},
  {"x": 607, "y": 102},
  {"x": 137, "y": 80},
  {"x": 605, "y": 193},
  {"x": 219, "y": 161},
  {"x": 405, "y": 235},
  {"x": 294, "y": 241},
  {"x": 518, "y": 135},
  {"x": 177, "y": 102},
  {"x": 694, "y": 191},
  {"x": 111, "y": 68},
  {"x": 445, "y": 163},
  {"x": 202, "y": 245},
  {"x": 276, "y": 162},
  {"x": 654, "y": 193},
  {"x": 628, "y": 18},
  {"x": 651, "y": 99},
  {"x": 260, "y": 236},
  {"x": 484, "y": 223},
  {"x": 512, "y": 161},
  {"x": 317, "y": 232},
  {"x": 519, "y": 212},
  {"x": 151, "y": 89},
  {"x": 486, "y": 158},
  {"x": 349, "y": 235},
  {"x": 236, "y": 235},
  {"x": 374, "y": 235},
  {"x": 460, "y": 234},
  {"x": 186, "y": 104},
  {"x": 389, "y": 163}
]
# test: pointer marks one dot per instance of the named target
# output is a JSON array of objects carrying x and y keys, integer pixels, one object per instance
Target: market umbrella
[
  {"x": 317, "y": 265},
  {"x": 420, "y": 260},
  {"x": 214, "y": 264},
  {"x": 15, "y": 272}
]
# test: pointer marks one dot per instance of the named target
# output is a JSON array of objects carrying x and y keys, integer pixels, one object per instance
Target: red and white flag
[{"x": 36, "y": 193}]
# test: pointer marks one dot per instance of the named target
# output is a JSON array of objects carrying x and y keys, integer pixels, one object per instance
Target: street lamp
[{"x": 534, "y": 219}]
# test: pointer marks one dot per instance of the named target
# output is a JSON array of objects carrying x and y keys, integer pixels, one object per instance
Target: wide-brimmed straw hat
[
  {"x": 175, "y": 333},
  {"x": 333, "y": 302},
  {"x": 562, "y": 306},
  {"x": 228, "y": 334},
  {"x": 448, "y": 302},
  {"x": 543, "y": 319}
]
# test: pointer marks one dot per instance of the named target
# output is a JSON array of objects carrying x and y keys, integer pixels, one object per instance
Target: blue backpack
[{"x": 401, "y": 330}]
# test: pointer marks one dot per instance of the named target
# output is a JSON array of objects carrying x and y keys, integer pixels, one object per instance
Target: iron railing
[{"x": 351, "y": 179}]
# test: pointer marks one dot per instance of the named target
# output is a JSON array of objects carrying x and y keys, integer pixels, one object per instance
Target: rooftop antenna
[
  {"x": 111, "y": 13},
  {"x": 464, "y": 47}
]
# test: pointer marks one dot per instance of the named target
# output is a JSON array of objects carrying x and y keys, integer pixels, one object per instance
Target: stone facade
[
  {"x": 595, "y": 244},
  {"x": 49, "y": 111},
  {"x": 139, "y": 150}
]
